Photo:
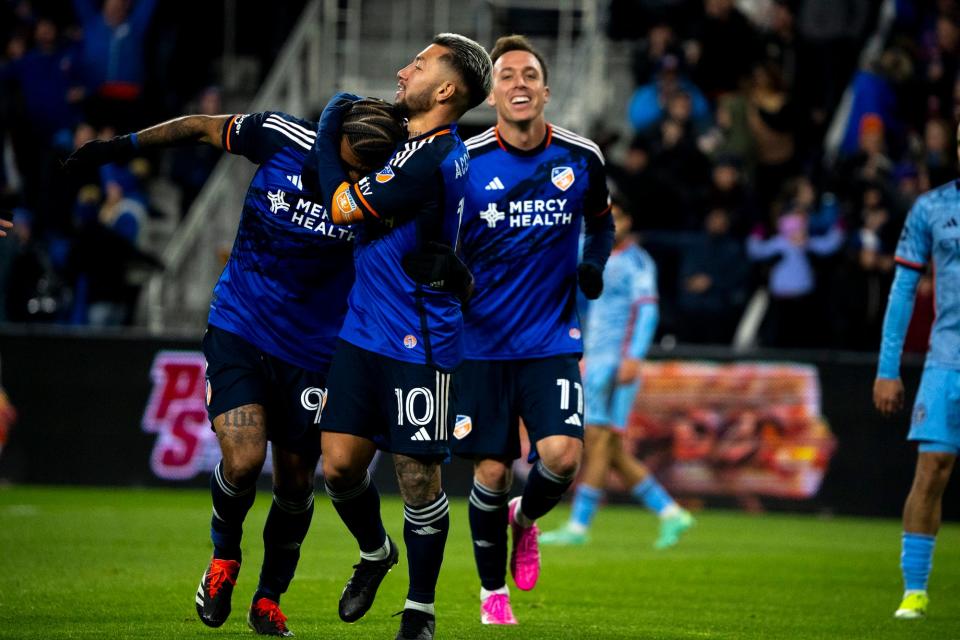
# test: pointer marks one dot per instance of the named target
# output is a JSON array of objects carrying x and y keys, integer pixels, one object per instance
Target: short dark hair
[
  {"x": 471, "y": 62},
  {"x": 506, "y": 44},
  {"x": 373, "y": 128}
]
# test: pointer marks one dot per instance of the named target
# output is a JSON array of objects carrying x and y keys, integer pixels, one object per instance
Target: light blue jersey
[
  {"x": 931, "y": 235},
  {"x": 620, "y": 324},
  {"x": 630, "y": 280}
]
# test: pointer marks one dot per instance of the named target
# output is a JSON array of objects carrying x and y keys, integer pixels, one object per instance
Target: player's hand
[
  {"x": 334, "y": 112},
  {"x": 629, "y": 370},
  {"x": 100, "y": 152},
  {"x": 590, "y": 279},
  {"x": 437, "y": 266},
  {"x": 4, "y": 225},
  {"x": 888, "y": 395}
]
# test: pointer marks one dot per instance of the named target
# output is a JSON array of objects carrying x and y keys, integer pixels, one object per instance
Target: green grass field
[{"x": 83, "y": 563}]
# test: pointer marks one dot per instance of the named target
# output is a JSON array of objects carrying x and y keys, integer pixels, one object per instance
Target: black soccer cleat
[
  {"x": 215, "y": 590},
  {"x": 416, "y": 625},
  {"x": 361, "y": 588},
  {"x": 266, "y": 619}
]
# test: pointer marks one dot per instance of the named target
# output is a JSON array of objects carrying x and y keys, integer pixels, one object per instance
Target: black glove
[
  {"x": 437, "y": 266},
  {"x": 100, "y": 152},
  {"x": 590, "y": 279}
]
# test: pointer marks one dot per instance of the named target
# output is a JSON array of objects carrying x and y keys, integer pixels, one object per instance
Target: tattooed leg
[{"x": 242, "y": 433}]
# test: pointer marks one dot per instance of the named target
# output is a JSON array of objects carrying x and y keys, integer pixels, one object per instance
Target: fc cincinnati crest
[
  {"x": 385, "y": 175},
  {"x": 562, "y": 177}
]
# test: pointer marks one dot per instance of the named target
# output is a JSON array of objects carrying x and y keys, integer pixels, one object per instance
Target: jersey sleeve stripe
[
  {"x": 581, "y": 142},
  {"x": 480, "y": 138},
  {"x": 364, "y": 202},
  {"x": 283, "y": 124},
  {"x": 293, "y": 125},
  {"x": 270, "y": 125},
  {"x": 917, "y": 266},
  {"x": 226, "y": 139}
]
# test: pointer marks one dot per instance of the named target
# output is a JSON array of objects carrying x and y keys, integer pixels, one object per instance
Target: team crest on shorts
[
  {"x": 919, "y": 413},
  {"x": 574, "y": 333},
  {"x": 385, "y": 175},
  {"x": 562, "y": 177},
  {"x": 463, "y": 427},
  {"x": 410, "y": 341}
]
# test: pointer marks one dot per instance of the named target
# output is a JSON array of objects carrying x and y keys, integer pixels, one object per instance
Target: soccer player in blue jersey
[
  {"x": 531, "y": 187},
  {"x": 402, "y": 337},
  {"x": 930, "y": 237},
  {"x": 620, "y": 327},
  {"x": 274, "y": 319}
]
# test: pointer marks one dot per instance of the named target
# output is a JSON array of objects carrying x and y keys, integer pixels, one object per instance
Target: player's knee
[
  {"x": 494, "y": 475},
  {"x": 242, "y": 470},
  {"x": 562, "y": 455},
  {"x": 340, "y": 475},
  {"x": 933, "y": 471}
]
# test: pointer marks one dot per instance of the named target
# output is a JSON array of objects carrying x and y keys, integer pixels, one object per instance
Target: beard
[{"x": 411, "y": 104}]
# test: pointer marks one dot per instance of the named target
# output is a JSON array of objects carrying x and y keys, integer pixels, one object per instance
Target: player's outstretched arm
[
  {"x": 184, "y": 130},
  {"x": 888, "y": 388}
]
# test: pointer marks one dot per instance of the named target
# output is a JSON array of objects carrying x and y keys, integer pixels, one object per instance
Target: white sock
[
  {"x": 671, "y": 510},
  {"x": 419, "y": 606},
  {"x": 910, "y": 592},
  {"x": 484, "y": 594},
  {"x": 379, "y": 554},
  {"x": 520, "y": 518}
]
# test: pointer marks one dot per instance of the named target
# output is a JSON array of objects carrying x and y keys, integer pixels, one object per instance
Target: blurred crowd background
[{"x": 721, "y": 160}]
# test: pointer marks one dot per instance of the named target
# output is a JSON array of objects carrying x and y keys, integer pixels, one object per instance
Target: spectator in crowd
[
  {"x": 779, "y": 44},
  {"x": 648, "y": 105},
  {"x": 870, "y": 164},
  {"x": 724, "y": 48},
  {"x": 729, "y": 193},
  {"x": 773, "y": 123},
  {"x": 33, "y": 294},
  {"x": 192, "y": 165},
  {"x": 875, "y": 90},
  {"x": 660, "y": 41},
  {"x": 794, "y": 318},
  {"x": 943, "y": 63},
  {"x": 939, "y": 160},
  {"x": 113, "y": 57}
]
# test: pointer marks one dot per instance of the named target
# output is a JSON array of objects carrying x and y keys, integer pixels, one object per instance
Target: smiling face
[
  {"x": 418, "y": 81},
  {"x": 519, "y": 92}
]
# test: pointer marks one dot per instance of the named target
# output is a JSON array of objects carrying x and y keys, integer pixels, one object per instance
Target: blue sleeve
[
  {"x": 259, "y": 136},
  {"x": 86, "y": 10},
  {"x": 760, "y": 249},
  {"x": 141, "y": 14},
  {"x": 644, "y": 109},
  {"x": 644, "y": 328},
  {"x": 916, "y": 241},
  {"x": 597, "y": 221},
  {"x": 897, "y": 320}
]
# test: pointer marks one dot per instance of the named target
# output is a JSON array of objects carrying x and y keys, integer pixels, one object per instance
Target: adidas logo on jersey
[
  {"x": 421, "y": 435},
  {"x": 574, "y": 420},
  {"x": 495, "y": 184},
  {"x": 296, "y": 181}
]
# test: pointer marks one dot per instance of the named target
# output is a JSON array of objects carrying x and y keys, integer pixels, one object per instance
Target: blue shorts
[
  {"x": 608, "y": 403},
  {"x": 935, "y": 422},
  {"x": 496, "y": 394},
  {"x": 239, "y": 373},
  {"x": 401, "y": 406}
]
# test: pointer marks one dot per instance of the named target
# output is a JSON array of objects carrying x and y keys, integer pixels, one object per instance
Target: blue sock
[
  {"x": 586, "y": 501},
  {"x": 916, "y": 560},
  {"x": 543, "y": 491},
  {"x": 359, "y": 508},
  {"x": 653, "y": 496},
  {"x": 425, "y": 531},
  {"x": 488, "y": 528},
  {"x": 230, "y": 507},
  {"x": 286, "y": 527}
]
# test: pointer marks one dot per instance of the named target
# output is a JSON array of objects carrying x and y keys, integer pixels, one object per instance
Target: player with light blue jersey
[
  {"x": 532, "y": 188},
  {"x": 930, "y": 238},
  {"x": 620, "y": 327},
  {"x": 274, "y": 318},
  {"x": 402, "y": 337}
]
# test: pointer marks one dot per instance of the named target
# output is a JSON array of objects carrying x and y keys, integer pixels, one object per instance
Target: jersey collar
[
  {"x": 509, "y": 148},
  {"x": 439, "y": 131}
]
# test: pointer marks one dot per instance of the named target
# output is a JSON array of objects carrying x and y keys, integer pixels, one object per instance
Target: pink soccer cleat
[
  {"x": 525, "y": 555},
  {"x": 495, "y": 609}
]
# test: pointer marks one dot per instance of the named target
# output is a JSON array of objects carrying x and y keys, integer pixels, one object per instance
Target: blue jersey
[
  {"x": 417, "y": 197},
  {"x": 932, "y": 234},
  {"x": 284, "y": 288},
  {"x": 521, "y": 229},
  {"x": 629, "y": 281}
]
